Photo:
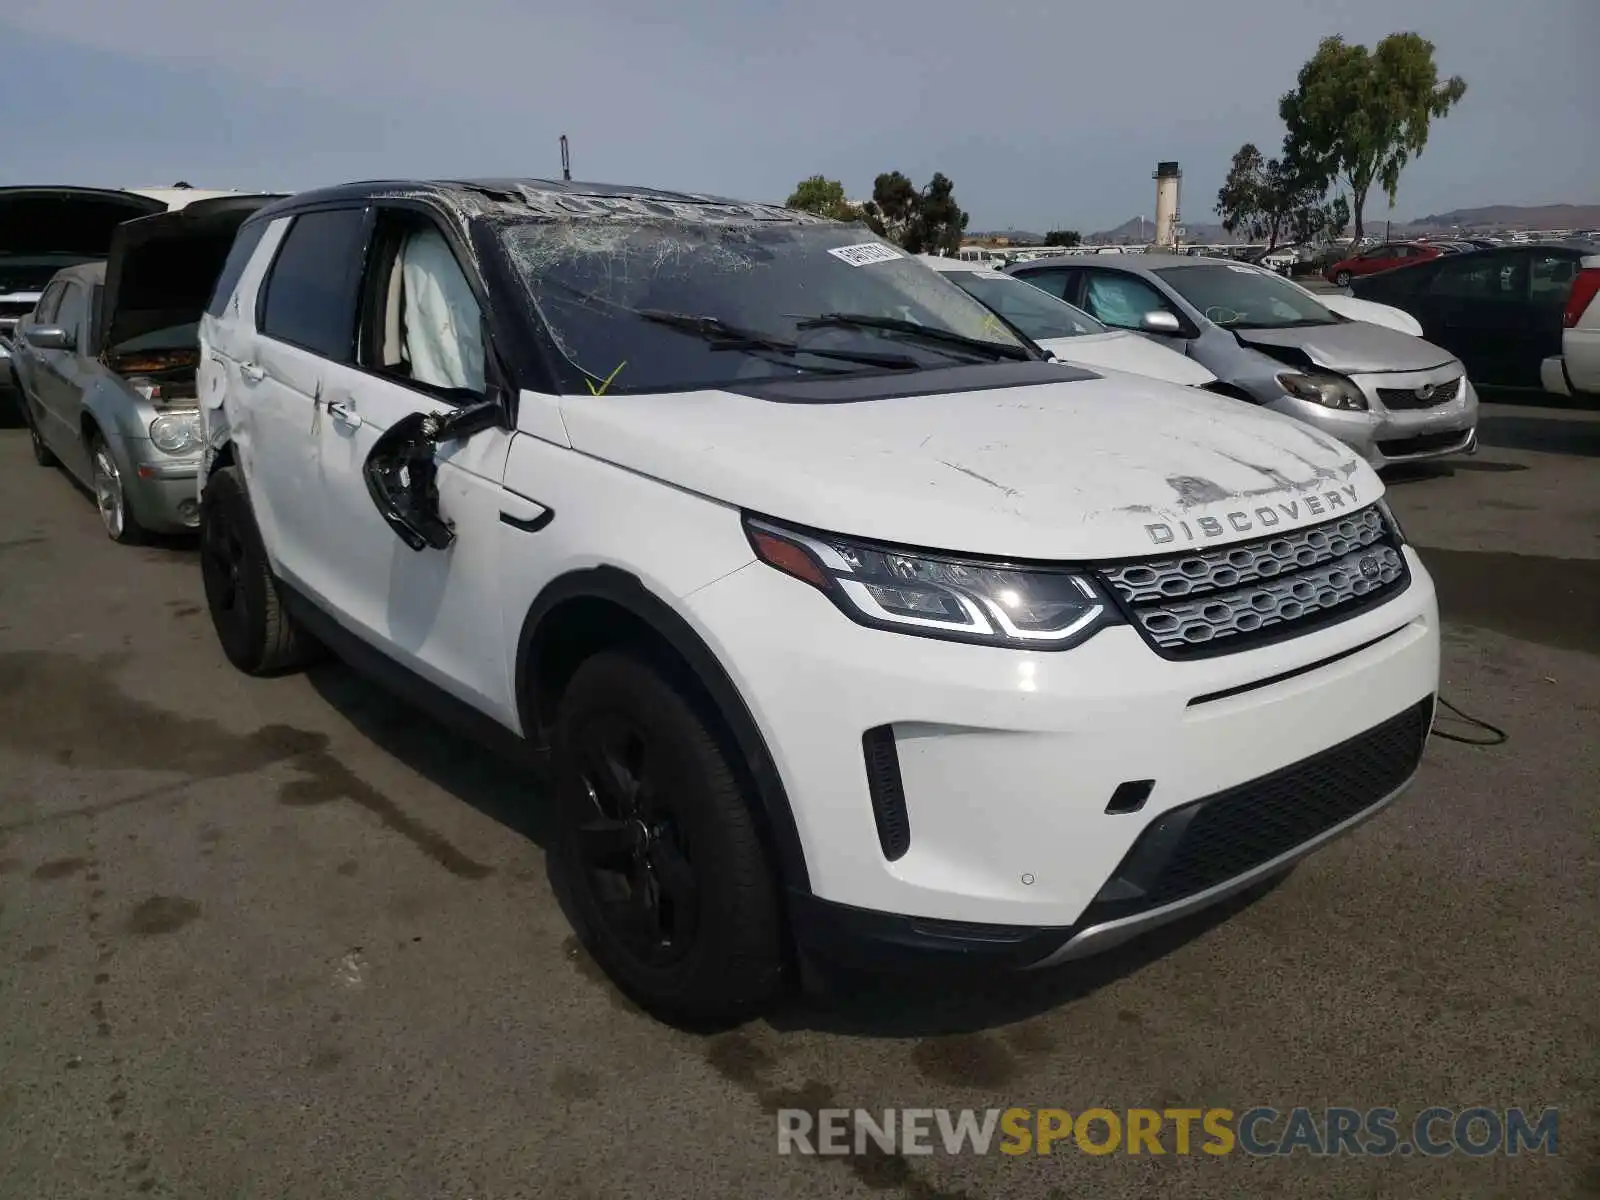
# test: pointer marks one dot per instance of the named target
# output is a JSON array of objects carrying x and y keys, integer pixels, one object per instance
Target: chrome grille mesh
[{"x": 1226, "y": 599}]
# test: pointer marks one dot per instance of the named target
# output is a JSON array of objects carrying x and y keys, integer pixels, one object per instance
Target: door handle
[
  {"x": 344, "y": 414},
  {"x": 251, "y": 372}
]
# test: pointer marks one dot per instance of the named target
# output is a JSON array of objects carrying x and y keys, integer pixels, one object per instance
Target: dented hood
[
  {"x": 162, "y": 268},
  {"x": 1079, "y": 469},
  {"x": 1350, "y": 346}
]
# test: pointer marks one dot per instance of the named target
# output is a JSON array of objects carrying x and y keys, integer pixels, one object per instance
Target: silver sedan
[
  {"x": 1390, "y": 396},
  {"x": 130, "y": 434}
]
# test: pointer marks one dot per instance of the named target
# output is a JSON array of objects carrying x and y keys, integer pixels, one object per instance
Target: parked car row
[{"x": 853, "y": 625}]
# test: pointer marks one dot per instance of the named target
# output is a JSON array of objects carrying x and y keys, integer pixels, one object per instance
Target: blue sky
[{"x": 1043, "y": 114}]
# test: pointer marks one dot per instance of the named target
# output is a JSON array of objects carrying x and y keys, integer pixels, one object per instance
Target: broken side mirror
[{"x": 401, "y": 472}]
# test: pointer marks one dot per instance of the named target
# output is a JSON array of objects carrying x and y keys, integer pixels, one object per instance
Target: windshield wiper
[
  {"x": 843, "y": 320},
  {"x": 723, "y": 336}
]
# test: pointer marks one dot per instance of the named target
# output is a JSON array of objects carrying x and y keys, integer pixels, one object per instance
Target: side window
[
  {"x": 309, "y": 299},
  {"x": 421, "y": 321},
  {"x": 1059, "y": 284},
  {"x": 45, "y": 311},
  {"x": 1121, "y": 300},
  {"x": 1481, "y": 277},
  {"x": 244, "y": 245},
  {"x": 1551, "y": 276},
  {"x": 73, "y": 313}
]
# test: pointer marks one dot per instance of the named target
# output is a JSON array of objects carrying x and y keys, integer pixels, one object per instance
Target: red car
[{"x": 1379, "y": 258}]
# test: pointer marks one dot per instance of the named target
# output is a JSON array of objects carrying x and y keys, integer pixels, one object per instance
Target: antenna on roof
[{"x": 566, "y": 160}]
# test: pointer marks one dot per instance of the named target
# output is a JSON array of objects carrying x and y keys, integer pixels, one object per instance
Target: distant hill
[{"x": 1510, "y": 216}]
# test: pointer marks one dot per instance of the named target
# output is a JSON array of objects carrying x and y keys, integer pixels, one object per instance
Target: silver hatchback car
[
  {"x": 105, "y": 365},
  {"x": 1392, "y": 397}
]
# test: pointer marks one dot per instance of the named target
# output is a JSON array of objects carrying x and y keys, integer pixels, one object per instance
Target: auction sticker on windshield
[{"x": 864, "y": 253}]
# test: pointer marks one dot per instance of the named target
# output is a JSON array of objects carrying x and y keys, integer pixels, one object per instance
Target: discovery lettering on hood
[{"x": 1246, "y": 520}]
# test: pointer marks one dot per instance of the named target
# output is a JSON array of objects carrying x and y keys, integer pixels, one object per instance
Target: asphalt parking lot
[{"x": 289, "y": 938}]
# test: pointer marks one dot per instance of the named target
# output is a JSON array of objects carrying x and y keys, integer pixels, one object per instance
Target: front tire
[
  {"x": 658, "y": 849},
  {"x": 1342, "y": 279},
  {"x": 110, "y": 496},
  {"x": 257, "y": 633}
]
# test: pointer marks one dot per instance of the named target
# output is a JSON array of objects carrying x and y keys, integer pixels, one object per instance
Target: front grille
[
  {"x": 1232, "y": 598},
  {"x": 1425, "y": 443},
  {"x": 1206, "y": 843},
  {"x": 1427, "y": 396}
]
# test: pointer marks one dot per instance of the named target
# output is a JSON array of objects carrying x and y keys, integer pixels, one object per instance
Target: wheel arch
[{"x": 586, "y": 611}]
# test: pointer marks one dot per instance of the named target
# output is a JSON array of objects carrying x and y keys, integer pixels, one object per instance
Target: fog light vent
[
  {"x": 1130, "y": 796},
  {"x": 887, "y": 791}
]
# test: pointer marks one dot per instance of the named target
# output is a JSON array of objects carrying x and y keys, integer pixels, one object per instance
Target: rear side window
[
  {"x": 310, "y": 298},
  {"x": 1060, "y": 284},
  {"x": 244, "y": 245}
]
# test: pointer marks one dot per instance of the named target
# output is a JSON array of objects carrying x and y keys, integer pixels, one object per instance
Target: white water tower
[{"x": 1167, "y": 177}]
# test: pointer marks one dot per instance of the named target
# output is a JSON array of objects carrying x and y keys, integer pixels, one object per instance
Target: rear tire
[
  {"x": 257, "y": 633},
  {"x": 658, "y": 850},
  {"x": 1342, "y": 279},
  {"x": 42, "y": 454}
]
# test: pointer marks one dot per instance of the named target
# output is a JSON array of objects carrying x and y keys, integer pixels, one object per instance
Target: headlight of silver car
[
  {"x": 176, "y": 433},
  {"x": 1332, "y": 391},
  {"x": 937, "y": 595}
]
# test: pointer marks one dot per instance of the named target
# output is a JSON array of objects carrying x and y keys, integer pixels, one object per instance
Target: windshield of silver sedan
[
  {"x": 1241, "y": 297},
  {"x": 677, "y": 305}
]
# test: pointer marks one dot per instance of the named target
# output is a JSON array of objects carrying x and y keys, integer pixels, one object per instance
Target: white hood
[
  {"x": 1371, "y": 312},
  {"x": 1082, "y": 469},
  {"x": 1119, "y": 350}
]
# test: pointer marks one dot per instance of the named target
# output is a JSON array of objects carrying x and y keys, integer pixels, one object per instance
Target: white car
[
  {"x": 851, "y": 634},
  {"x": 1576, "y": 370},
  {"x": 1354, "y": 309},
  {"x": 1068, "y": 332}
]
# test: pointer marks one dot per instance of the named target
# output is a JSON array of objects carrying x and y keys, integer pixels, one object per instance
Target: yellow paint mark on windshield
[{"x": 606, "y": 382}]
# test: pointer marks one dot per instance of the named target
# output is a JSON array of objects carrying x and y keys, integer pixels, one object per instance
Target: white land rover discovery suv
[{"x": 854, "y": 629}]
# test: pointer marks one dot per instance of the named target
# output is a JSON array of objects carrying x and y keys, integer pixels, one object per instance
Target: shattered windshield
[
  {"x": 675, "y": 305},
  {"x": 1239, "y": 297}
]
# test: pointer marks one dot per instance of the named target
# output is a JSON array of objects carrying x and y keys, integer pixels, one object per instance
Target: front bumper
[
  {"x": 1385, "y": 437},
  {"x": 161, "y": 489},
  {"x": 1009, "y": 760}
]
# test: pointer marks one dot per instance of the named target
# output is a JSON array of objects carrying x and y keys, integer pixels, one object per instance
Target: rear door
[
  {"x": 1550, "y": 275},
  {"x": 1477, "y": 308},
  {"x": 304, "y": 335}
]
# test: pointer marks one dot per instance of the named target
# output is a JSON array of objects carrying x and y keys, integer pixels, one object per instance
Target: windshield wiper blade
[
  {"x": 929, "y": 333},
  {"x": 723, "y": 336}
]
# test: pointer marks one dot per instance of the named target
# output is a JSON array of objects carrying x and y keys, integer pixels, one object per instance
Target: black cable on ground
[{"x": 1497, "y": 736}]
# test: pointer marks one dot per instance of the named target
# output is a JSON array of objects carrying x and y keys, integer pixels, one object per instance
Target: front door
[
  {"x": 58, "y": 379},
  {"x": 420, "y": 349}
]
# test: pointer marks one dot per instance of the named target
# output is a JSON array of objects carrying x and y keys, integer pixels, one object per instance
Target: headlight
[
  {"x": 936, "y": 595},
  {"x": 1333, "y": 391},
  {"x": 176, "y": 433}
]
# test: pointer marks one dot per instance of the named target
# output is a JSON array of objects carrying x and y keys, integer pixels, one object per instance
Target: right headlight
[
  {"x": 1332, "y": 391},
  {"x": 176, "y": 433},
  {"x": 936, "y": 595}
]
